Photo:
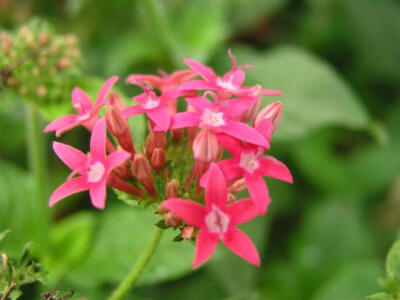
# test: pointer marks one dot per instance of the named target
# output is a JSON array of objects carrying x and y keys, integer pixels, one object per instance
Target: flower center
[
  {"x": 96, "y": 172},
  {"x": 84, "y": 117},
  {"x": 249, "y": 161},
  {"x": 213, "y": 118},
  {"x": 226, "y": 84},
  {"x": 151, "y": 103},
  {"x": 217, "y": 221}
]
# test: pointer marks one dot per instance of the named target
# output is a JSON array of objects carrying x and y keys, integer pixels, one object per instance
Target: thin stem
[
  {"x": 161, "y": 30},
  {"x": 12, "y": 286},
  {"x": 129, "y": 281}
]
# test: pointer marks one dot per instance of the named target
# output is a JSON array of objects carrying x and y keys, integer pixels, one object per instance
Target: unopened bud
[
  {"x": 63, "y": 64},
  {"x": 171, "y": 220},
  {"x": 177, "y": 134},
  {"x": 273, "y": 112},
  {"x": 205, "y": 146},
  {"x": 237, "y": 186},
  {"x": 160, "y": 139},
  {"x": 4, "y": 259},
  {"x": 188, "y": 232},
  {"x": 172, "y": 189},
  {"x": 231, "y": 198},
  {"x": 41, "y": 91},
  {"x": 141, "y": 168},
  {"x": 44, "y": 38},
  {"x": 116, "y": 123},
  {"x": 150, "y": 145},
  {"x": 158, "y": 159},
  {"x": 6, "y": 42},
  {"x": 12, "y": 82},
  {"x": 116, "y": 101},
  {"x": 162, "y": 210},
  {"x": 251, "y": 112}
]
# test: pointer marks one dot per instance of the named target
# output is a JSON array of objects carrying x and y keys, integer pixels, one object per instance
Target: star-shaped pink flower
[
  {"x": 250, "y": 162},
  {"x": 217, "y": 221},
  {"x": 165, "y": 82},
  {"x": 229, "y": 84},
  {"x": 219, "y": 117},
  {"x": 153, "y": 106},
  {"x": 93, "y": 168},
  {"x": 87, "y": 112}
]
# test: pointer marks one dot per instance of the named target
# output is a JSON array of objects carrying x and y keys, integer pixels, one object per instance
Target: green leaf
[
  {"x": 352, "y": 282},
  {"x": 314, "y": 94},
  {"x": 393, "y": 262},
  {"x": 4, "y": 234},
  {"x": 121, "y": 236},
  {"x": 380, "y": 296}
]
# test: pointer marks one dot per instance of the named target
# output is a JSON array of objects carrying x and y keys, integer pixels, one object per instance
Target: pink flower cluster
[{"x": 221, "y": 114}]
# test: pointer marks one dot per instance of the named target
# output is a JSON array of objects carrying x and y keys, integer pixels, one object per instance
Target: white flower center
[
  {"x": 226, "y": 84},
  {"x": 96, "y": 172},
  {"x": 84, "y": 117},
  {"x": 249, "y": 161},
  {"x": 217, "y": 221},
  {"x": 212, "y": 118},
  {"x": 151, "y": 103}
]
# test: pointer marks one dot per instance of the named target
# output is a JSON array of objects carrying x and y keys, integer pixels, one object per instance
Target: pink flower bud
[
  {"x": 161, "y": 210},
  {"x": 160, "y": 139},
  {"x": 141, "y": 169},
  {"x": 231, "y": 198},
  {"x": 273, "y": 112},
  {"x": 188, "y": 232},
  {"x": 116, "y": 101},
  {"x": 251, "y": 112},
  {"x": 172, "y": 189},
  {"x": 119, "y": 127},
  {"x": 158, "y": 159},
  {"x": 150, "y": 145},
  {"x": 237, "y": 186},
  {"x": 177, "y": 134},
  {"x": 123, "y": 186},
  {"x": 171, "y": 220},
  {"x": 205, "y": 146}
]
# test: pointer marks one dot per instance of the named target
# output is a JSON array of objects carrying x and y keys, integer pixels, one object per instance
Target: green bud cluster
[{"x": 37, "y": 63}]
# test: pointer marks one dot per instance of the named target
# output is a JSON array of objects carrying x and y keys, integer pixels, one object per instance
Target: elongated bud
[
  {"x": 116, "y": 101},
  {"x": 237, "y": 186},
  {"x": 188, "y": 232},
  {"x": 205, "y": 146},
  {"x": 123, "y": 186},
  {"x": 231, "y": 198},
  {"x": 251, "y": 112},
  {"x": 141, "y": 169},
  {"x": 4, "y": 259},
  {"x": 150, "y": 145},
  {"x": 172, "y": 189},
  {"x": 160, "y": 139},
  {"x": 119, "y": 127},
  {"x": 273, "y": 112},
  {"x": 162, "y": 210},
  {"x": 177, "y": 134},
  {"x": 158, "y": 159},
  {"x": 171, "y": 220}
]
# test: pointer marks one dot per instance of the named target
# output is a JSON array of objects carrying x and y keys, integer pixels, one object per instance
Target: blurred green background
[{"x": 325, "y": 237}]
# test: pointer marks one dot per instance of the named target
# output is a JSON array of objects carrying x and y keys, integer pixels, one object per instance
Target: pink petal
[
  {"x": 235, "y": 77},
  {"x": 98, "y": 140},
  {"x": 191, "y": 212},
  {"x": 245, "y": 132},
  {"x": 154, "y": 81},
  {"x": 242, "y": 211},
  {"x": 204, "y": 71},
  {"x": 81, "y": 101},
  {"x": 216, "y": 189},
  {"x": 72, "y": 157},
  {"x": 200, "y": 103},
  {"x": 181, "y": 76},
  {"x": 274, "y": 168},
  {"x": 117, "y": 158},
  {"x": 105, "y": 89},
  {"x": 205, "y": 247},
  {"x": 266, "y": 128},
  {"x": 161, "y": 117},
  {"x": 258, "y": 191},
  {"x": 185, "y": 119},
  {"x": 198, "y": 85},
  {"x": 61, "y": 123},
  {"x": 142, "y": 98},
  {"x": 271, "y": 92},
  {"x": 230, "y": 167},
  {"x": 71, "y": 186},
  {"x": 239, "y": 243},
  {"x": 98, "y": 194},
  {"x": 234, "y": 146},
  {"x": 237, "y": 106},
  {"x": 132, "y": 110}
]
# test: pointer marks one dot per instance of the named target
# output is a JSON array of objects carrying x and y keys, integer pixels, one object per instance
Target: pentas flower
[
  {"x": 219, "y": 117},
  {"x": 229, "y": 84},
  {"x": 153, "y": 106},
  {"x": 93, "y": 169},
  {"x": 87, "y": 112},
  {"x": 250, "y": 162},
  {"x": 217, "y": 221},
  {"x": 165, "y": 82}
]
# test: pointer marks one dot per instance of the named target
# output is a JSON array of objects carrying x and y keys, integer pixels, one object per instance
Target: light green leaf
[
  {"x": 314, "y": 94},
  {"x": 380, "y": 296},
  {"x": 393, "y": 262}
]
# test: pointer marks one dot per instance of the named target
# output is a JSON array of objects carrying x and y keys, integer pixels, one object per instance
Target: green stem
[
  {"x": 161, "y": 31},
  {"x": 36, "y": 151},
  {"x": 129, "y": 281}
]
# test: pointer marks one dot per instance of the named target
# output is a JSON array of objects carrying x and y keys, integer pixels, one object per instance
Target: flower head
[
  {"x": 217, "y": 221},
  {"x": 93, "y": 169},
  {"x": 86, "y": 111}
]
